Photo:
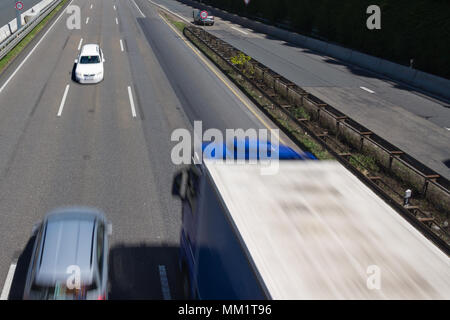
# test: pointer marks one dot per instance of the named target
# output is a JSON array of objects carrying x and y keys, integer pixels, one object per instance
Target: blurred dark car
[{"x": 70, "y": 256}]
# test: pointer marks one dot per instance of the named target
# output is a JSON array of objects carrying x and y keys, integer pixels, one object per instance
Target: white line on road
[
  {"x": 143, "y": 15},
  {"x": 87, "y": 20},
  {"x": 368, "y": 90},
  {"x": 130, "y": 95},
  {"x": 117, "y": 21},
  {"x": 8, "y": 282},
  {"x": 447, "y": 129},
  {"x": 239, "y": 30},
  {"x": 165, "y": 8},
  {"x": 114, "y": 7},
  {"x": 32, "y": 50},
  {"x": 164, "y": 283},
  {"x": 79, "y": 45},
  {"x": 121, "y": 45},
  {"x": 63, "y": 101},
  {"x": 92, "y": 6}
]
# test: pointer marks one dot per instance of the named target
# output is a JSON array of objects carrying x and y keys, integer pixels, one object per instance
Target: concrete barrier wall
[{"x": 425, "y": 81}]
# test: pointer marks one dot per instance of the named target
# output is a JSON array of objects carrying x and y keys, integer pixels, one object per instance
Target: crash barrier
[{"x": 11, "y": 41}]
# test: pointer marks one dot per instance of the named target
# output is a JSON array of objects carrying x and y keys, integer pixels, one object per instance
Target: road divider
[
  {"x": 368, "y": 90},
  {"x": 63, "y": 101},
  {"x": 140, "y": 11},
  {"x": 9, "y": 278},
  {"x": 130, "y": 96}
]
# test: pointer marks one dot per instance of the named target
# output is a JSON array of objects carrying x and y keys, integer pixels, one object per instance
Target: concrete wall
[{"x": 425, "y": 81}]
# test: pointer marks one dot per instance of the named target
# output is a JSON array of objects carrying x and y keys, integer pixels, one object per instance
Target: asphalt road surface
[
  {"x": 413, "y": 121},
  {"x": 96, "y": 153}
]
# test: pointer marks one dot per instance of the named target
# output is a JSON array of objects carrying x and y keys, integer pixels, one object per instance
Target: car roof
[
  {"x": 68, "y": 237},
  {"x": 90, "y": 49}
]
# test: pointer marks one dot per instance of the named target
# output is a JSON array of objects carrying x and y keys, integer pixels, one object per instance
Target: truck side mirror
[{"x": 179, "y": 184}]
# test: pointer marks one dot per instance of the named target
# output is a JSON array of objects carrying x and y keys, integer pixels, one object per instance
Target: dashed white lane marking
[
  {"x": 79, "y": 45},
  {"x": 165, "y": 8},
  {"x": 32, "y": 50},
  {"x": 164, "y": 283},
  {"x": 143, "y": 15},
  {"x": 368, "y": 90},
  {"x": 63, "y": 101},
  {"x": 239, "y": 30},
  {"x": 92, "y": 6},
  {"x": 447, "y": 129},
  {"x": 8, "y": 282},
  {"x": 117, "y": 21},
  {"x": 87, "y": 20},
  {"x": 121, "y": 45},
  {"x": 114, "y": 7},
  {"x": 130, "y": 95}
]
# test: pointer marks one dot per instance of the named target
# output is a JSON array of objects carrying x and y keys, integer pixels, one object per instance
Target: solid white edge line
[
  {"x": 87, "y": 20},
  {"x": 121, "y": 45},
  {"x": 79, "y": 45},
  {"x": 143, "y": 15},
  {"x": 32, "y": 50},
  {"x": 368, "y": 90},
  {"x": 164, "y": 282},
  {"x": 239, "y": 30},
  {"x": 130, "y": 96},
  {"x": 8, "y": 282},
  {"x": 163, "y": 7},
  {"x": 63, "y": 101}
]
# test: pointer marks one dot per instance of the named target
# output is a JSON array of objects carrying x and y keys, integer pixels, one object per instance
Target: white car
[{"x": 89, "y": 65}]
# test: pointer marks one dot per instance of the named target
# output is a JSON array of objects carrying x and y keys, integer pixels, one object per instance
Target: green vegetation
[
  {"x": 22, "y": 44},
  {"x": 418, "y": 29},
  {"x": 178, "y": 24},
  {"x": 364, "y": 163}
]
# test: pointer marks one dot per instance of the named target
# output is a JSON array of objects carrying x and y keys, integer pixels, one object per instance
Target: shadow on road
[
  {"x": 18, "y": 282},
  {"x": 134, "y": 272}
]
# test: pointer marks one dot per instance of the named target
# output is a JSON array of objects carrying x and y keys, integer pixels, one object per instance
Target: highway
[
  {"x": 107, "y": 145},
  {"x": 415, "y": 122}
]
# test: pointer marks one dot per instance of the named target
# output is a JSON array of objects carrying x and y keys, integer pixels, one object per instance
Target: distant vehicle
[
  {"x": 310, "y": 231},
  {"x": 198, "y": 19},
  {"x": 66, "y": 238},
  {"x": 89, "y": 64}
]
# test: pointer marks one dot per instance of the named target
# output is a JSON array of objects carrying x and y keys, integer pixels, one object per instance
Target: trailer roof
[{"x": 314, "y": 231}]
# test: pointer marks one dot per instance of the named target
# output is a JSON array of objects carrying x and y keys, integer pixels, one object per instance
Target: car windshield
[
  {"x": 89, "y": 59},
  {"x": 61, "y": 292}
]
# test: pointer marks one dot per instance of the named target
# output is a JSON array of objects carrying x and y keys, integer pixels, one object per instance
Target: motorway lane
[
  {"x": 414, "y": 122},
  {"x": 96, "y": 153}
]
